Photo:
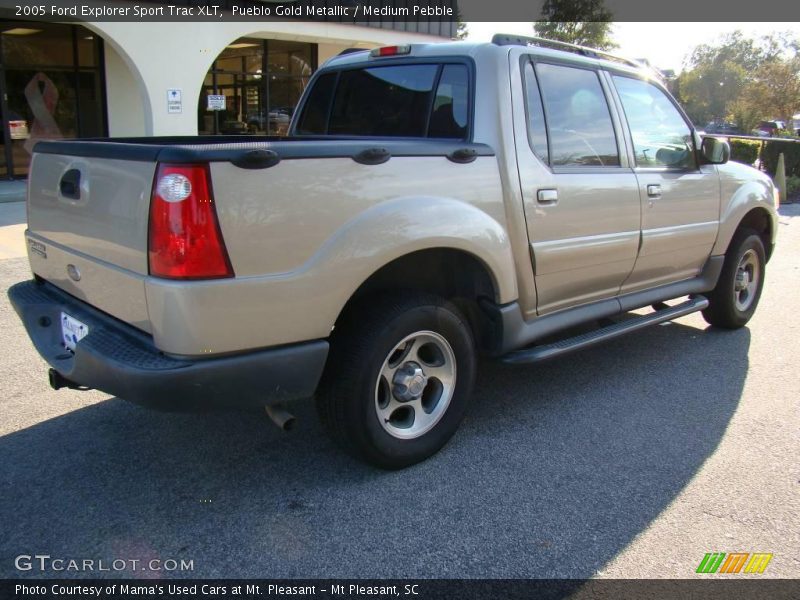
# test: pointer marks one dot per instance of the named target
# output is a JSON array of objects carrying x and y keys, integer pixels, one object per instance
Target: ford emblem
[{"x": 73, "y": 273}]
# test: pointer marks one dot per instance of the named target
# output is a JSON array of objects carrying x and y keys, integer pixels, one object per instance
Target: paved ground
[{"x": 630, "y": 460}]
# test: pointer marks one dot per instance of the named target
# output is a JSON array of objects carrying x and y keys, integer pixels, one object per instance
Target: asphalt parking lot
[{"x": 633, "y": 459}]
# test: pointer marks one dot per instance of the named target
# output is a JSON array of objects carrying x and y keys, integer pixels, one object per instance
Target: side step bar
[{"x": 548, "y": 351}]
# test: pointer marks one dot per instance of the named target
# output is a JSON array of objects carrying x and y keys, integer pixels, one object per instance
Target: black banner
[
  {"x": 420, "y": 589},
  {"x": 365, "y": 11}
]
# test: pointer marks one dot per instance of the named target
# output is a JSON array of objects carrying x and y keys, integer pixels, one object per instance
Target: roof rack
[
  {"x": 507, "y": 39},
  {"x": 352, "y": 51}
]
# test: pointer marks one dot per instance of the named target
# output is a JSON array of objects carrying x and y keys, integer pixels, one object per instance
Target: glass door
[
  {"x": 52, "y": 87},
  {"x": 257, "y": 84}
]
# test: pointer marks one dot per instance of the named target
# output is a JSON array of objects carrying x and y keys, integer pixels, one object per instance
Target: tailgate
[{"x": 87, "y": 229}]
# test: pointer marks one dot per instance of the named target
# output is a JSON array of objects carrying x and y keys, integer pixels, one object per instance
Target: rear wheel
[
  {"x": 734, "y": 300},
  {"x": 399, "y": 378}
]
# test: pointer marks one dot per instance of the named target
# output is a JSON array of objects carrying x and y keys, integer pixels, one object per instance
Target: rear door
[
  {"x": 580, "y": 195},
  {"x": 680, "y": 198}
]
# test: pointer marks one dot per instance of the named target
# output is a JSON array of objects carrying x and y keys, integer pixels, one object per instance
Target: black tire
[
  {"x": 723, "y": 310},
  {"x": 361, "y": 343}
]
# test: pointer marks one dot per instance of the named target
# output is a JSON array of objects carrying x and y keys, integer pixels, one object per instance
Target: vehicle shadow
[{"x": 556, "y": 469}]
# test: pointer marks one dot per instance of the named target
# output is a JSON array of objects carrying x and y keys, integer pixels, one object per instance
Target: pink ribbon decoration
[{"x": 43, "y": 106}]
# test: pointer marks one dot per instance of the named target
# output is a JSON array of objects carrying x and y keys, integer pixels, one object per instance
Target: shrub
[
  {"x": 792, "y": 186},
  {"x": 791, "y": 155},
  {"x": 744, "y": 151}
]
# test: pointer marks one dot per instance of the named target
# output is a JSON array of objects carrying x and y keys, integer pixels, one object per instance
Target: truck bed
[{"x": 279, "y": 201}]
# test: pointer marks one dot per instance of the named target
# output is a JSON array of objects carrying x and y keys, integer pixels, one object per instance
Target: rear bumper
[{"x": 121, "y": 360}]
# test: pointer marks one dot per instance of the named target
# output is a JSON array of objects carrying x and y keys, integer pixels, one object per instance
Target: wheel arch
[
  {"x": 454, "y": 274},
  {"x": 759, "y": 220}
]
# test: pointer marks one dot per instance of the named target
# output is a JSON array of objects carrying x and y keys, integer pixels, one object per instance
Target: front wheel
[
  {"x": 399, "y": 378},
  {"x": 734, "y": 300}
]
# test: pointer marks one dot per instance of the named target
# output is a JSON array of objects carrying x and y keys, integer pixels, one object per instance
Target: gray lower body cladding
[
  {"x": 120, "y": 360},
  {"x": 517, "y": 333}
]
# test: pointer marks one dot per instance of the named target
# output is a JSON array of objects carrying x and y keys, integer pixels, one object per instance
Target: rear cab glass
[{"x": 422, "y": 100}]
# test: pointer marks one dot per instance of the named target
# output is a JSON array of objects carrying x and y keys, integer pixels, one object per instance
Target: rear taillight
[{"x": 185, "y": 241}]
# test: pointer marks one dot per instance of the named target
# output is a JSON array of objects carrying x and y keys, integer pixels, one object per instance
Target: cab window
[
  {"x": 578, "y": 118},
  {"x": 661, "y": 136},
  {"x": 409, "y": 100}
]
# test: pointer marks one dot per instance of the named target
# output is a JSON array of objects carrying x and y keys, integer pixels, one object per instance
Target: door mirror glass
[{"x": 715, "y": 151}]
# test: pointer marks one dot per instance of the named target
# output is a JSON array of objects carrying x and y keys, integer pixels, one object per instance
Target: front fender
[{"x": 743, "y": 189}]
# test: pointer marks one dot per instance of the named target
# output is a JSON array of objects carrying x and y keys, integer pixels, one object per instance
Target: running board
[{"x": 548, "y": 351}]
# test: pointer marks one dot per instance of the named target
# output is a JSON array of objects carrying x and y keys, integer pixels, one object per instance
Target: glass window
[
  {"x": 578, "y": 118},
  {"x": 54, "y": 87},
  {"x": 397, "y": 101},
  {"x": 28, "y": 45},
  {"x": 661, "y": 137},
  {"x": 289, "y": 58},
  {"x": 262, "y": 80},
  {"x": 537, "y": 135},
  {"x": 451, "y": 105},
  {"x": 383, "y": 101},
  {"x": 315, "y": 116}
]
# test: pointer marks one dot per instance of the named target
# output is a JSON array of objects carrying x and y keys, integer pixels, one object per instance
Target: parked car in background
[
  {"x": 769, "y": 128},
  {"x": 278, "y": 120},
  {"x": 723, "y": 128}
]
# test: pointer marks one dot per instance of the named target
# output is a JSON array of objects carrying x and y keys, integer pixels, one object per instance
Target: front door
[
  {"x": 580, "y": 195},
  {"x": 680, "y": 199}
]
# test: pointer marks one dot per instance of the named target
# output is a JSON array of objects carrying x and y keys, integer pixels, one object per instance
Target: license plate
[{"x": 72, "y": 331}]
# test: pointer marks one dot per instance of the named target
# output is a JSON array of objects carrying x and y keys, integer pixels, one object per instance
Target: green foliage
[
  {"x": 741, "y": 80},
  {"x": 461, "y": 27},
  {"x": 744, "y": 151},
  {"x": 582, "y": 22},
  {"x": 793, "y": 185},
  {"x": 791, "y": 157}
]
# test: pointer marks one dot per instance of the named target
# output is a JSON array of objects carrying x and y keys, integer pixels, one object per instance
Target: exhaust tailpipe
[
  {"x": 58, "y": 381},
  {"x": 280, "y": 416}
]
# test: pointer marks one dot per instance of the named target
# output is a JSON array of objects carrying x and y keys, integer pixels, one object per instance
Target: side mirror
[{"x": 715, "y": 151}]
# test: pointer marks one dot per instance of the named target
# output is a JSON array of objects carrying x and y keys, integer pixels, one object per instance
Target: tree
[
  {"x": 773, "y": 92},
  {"x": 461, "y": 30},
  {"x": 741, "y": 80},
  {"x": 582, "y": 22}
]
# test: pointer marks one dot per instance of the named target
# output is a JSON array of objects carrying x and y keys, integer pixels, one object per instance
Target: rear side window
[
  {"x": 578, "y": 118},
  {"x": 315, "y": 115},
  {"x": 451, "y": 106},
  {"x": 418, "y": 100},
  {"x": 537, "y": 135}
]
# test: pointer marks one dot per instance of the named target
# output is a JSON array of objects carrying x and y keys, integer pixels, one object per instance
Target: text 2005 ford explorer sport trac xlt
[{"x": 431, "y": 203}]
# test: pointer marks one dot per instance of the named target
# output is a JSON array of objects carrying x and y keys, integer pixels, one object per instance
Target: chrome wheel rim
[
  {"x": 745, "y": 285},
  {"x": 415, "y": 385}
]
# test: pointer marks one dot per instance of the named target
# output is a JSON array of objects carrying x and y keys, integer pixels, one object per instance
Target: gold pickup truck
[{"x": 431, "y": 202}]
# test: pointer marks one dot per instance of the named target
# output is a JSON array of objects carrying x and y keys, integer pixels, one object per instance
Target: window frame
[
  {"x": 617, "y": 125},
  {"x": 629, "y": 133},
  {"x": 438, "y": 61},
  {"x": 524, "y": 61}
]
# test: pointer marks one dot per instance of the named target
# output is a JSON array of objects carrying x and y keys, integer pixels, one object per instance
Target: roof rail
[{"x": 507, "y": 39}]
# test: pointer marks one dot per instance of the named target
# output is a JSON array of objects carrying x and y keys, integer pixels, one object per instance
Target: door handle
[
  {"x": 547, "y": 196},
  {"x": 70, "y": 184},
  {"x": 654, "y": 190}
]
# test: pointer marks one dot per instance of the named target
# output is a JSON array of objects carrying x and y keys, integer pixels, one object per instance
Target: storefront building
[{"x": 129, "y": 79}]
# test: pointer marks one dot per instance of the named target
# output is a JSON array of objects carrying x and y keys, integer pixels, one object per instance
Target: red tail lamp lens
[{"x": 185, "y": 240}]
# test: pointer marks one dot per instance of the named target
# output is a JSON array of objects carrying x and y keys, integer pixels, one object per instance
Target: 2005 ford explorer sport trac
[{"x": 430, "y": 203}]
